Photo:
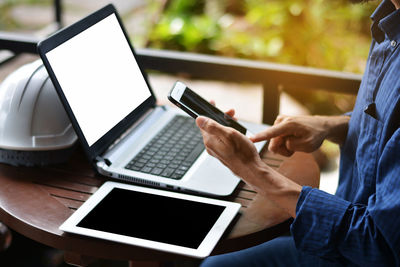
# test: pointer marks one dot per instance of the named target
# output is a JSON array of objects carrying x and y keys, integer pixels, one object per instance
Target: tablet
[{"x": 161, "y": 220}]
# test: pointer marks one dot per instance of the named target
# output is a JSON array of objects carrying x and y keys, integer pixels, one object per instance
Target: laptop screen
[{"x": 99, "y": 76}]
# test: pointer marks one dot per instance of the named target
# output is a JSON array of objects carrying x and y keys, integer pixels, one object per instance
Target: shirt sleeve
[
  {"x": 330, "y": 227},
  {"x": 348, "y": 113}
]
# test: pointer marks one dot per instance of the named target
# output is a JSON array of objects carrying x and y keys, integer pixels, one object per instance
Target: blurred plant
[
  {"x": 6, "y": 20},
  {"x": 331, "y": 34},
  {"x": 185, "y": 26},
  {"x": 319, "y": 33}
]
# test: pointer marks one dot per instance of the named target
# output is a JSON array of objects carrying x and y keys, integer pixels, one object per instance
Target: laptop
[{"x": 113, "y": 110}]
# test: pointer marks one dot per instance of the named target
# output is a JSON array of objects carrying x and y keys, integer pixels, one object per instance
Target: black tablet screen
[{"x": 153, "y": 217}]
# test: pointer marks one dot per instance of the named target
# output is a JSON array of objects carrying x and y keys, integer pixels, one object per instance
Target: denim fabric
[
  {"x": 360, "y": 224},
  {"x": 279, "y": 252}
]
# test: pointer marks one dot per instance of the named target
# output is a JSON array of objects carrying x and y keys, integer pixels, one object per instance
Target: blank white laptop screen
[{"x": 99, "y": 76}]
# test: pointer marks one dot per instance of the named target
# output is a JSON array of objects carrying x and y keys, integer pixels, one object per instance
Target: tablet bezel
[{"x": 204, "y": 249}]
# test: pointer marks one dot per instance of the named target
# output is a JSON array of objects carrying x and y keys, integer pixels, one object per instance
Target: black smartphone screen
[{"x": 203, "y": 108}]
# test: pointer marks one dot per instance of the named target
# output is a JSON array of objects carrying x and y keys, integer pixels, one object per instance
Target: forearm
[
  {"x": 276, "y": 187},
  {"x": 336, "y": 128}
]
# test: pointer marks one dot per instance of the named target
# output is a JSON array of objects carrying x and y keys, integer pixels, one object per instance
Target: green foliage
[
  {"x": 185, "y": 27},
  {"x": 319, "y": 33},
  {"x": 6, "y": 20},
  {"x": 330, "y": 34}
]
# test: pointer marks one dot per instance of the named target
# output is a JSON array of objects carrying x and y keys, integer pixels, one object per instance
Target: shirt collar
[{"x": 385, "y": 21}]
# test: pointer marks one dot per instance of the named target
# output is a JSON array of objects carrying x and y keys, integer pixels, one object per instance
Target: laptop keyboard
[{"x": 172, "y": 151}]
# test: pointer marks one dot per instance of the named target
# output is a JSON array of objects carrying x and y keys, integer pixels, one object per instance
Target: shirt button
[{"x": 393, "y": 43}]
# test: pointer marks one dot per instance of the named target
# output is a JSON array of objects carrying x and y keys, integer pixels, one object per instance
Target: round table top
[{"x": 35, "y": 201}]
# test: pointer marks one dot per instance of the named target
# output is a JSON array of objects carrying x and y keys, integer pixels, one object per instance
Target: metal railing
[{"x": 273, "y": 77}]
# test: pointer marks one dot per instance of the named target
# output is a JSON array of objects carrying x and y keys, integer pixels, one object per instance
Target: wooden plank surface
[{"x": 36, "y": 201}]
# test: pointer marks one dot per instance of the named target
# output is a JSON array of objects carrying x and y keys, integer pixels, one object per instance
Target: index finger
[{"x": 273, "y": 131}]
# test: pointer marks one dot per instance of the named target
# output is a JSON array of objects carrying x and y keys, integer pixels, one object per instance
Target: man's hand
[
  {"x": 240, "y": 155},
  {"x": 303, "y": 133},
  {"x": 231, "y": 147}
]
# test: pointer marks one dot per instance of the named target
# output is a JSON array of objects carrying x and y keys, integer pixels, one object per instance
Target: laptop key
[
  {"x": 180, "y": 158},
  {"x": 162, "y": 166},
  {"x": 183, "y": 168},
  {"x": 154, "y": 160},
  {"x": 151, "y": 165},
  {"x": 146, "y": 157},
  {"x": 180, "y": 172},
  {"x": 195, "y": 152},
  {"x": 176, "y": 176},
  {"x": 151, "y": 153},
  {"x": 146, "y": 169},
  {"x": 135, "y": 168},
  {"x": 167, "y": 172},
  {"x": 156, "y": 171},
  {"x": 142, "y": 160},
  {"x": 158, "y": 157},
  {"x": 138, "y": 164}
]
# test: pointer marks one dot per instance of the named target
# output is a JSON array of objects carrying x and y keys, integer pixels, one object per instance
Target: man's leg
[{"x": 280, "y": 251}]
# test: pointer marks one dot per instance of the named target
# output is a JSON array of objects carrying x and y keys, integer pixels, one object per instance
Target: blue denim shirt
[{"x": 360, "y": 225}]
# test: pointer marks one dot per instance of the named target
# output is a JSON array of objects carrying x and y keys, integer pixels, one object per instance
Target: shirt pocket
[{"x": 368, "y": 150}]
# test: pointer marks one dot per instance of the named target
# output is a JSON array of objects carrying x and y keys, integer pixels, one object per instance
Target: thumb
[
  {"x": 210, "y": 126},
  {"x": 201, "y": 121}
]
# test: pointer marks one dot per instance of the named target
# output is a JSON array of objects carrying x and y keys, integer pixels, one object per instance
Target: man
[{"x": 360, "y": 225}]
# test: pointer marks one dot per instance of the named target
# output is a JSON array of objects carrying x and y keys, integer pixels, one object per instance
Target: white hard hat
[{"x": 34, "y": 127}]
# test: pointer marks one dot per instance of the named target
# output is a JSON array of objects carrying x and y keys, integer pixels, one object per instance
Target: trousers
[{"x": 278, "y": 252}]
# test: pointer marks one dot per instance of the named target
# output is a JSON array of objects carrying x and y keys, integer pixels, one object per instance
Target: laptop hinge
[
  {"x": 105, "y": 160},
  {"x": 124, "y": 134}
]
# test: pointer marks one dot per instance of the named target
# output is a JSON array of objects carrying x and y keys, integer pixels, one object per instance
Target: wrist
[
  {"x": 335, "y": 128},
  {"x": 278, "y": 188}
]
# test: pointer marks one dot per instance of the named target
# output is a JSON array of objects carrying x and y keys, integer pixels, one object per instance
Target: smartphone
[{"x": 193, "y": 104}]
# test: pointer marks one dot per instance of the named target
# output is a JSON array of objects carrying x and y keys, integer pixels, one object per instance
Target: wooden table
[{"x": 36, "y": 201}]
